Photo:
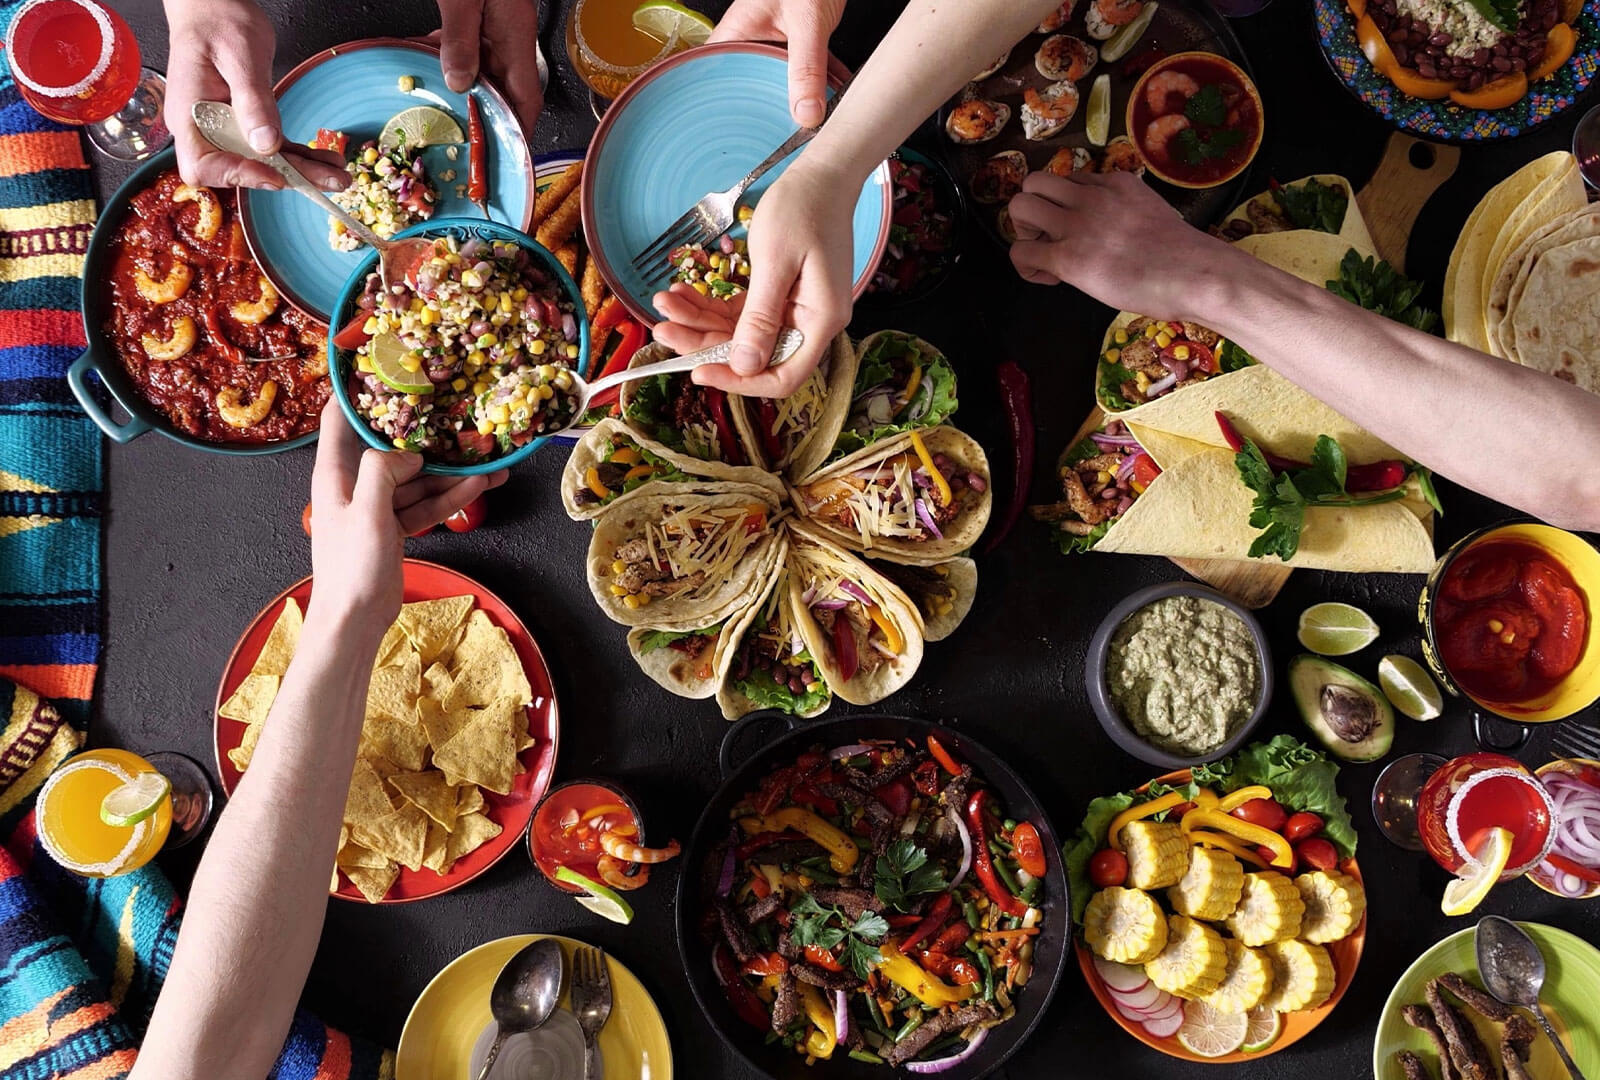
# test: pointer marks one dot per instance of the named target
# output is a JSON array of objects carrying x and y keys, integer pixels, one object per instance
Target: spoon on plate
[
  {"x": 1512, "y": 968},
  {"x": 525, "y": 994},
  {"x": 220, "y": 127}
]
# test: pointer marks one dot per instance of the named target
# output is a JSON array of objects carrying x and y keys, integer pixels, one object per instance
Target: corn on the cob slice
[
  {"x": 1211, "y": 887},
  {"x": 1302, "y": 976},
  {"x": 1269, "y": 910},
  {"x": 1335, "y": 903},
  {"x": 1124, "y": 925},
  {"x": 1247, "y": 982},
  {"x": 1157, "y": 853},
  {"x": 1194, "y": 961}
]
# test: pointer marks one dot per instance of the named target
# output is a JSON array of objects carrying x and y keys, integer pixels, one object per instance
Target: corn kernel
[
  {"x": 411, "y": 363},
  {"x": 618, "y": 590},
  {"x": 399, "y": 444},
  {"x": 458, "y": 384},
  {"x": 746, "y": 213},
  {"x": 369, "y": 155},
  {"x": 1142, "y": 381},
  {"x": 1163, "y": 339},
  {"x": 485, "y": 428},
  {"x": 547, "y": 372},
  {"x": 370, "y": 327},
  {"x": 416, "y": 305},
  {"x": 470, "y": 279},
  {"x": 1495, "y": 626},
  {"x": 500, "y": 429},
  {"x": 519, "y": 294},
  {"x": 505, "y": 302},
  {"x": 488, "y": 341},
  {"x": 1181, "y": 352},
  {"x": 546, "y": 393},
  {"x": 499, "y": 414},
  {"x": 364, "y": 363},
  {"x": 412, "y": 399},
  {"x": 1113, "y": 355},
  {"x": 427, "y": 316},
  {"x": 632, "y": 602},
  {"x": 1152, "y": 330},
  {"x": 716, "y": 262},
  {"x": 1509, "y": 637},
  {"x": 643, "y": 598},
  {"x": 380, "y": 410},
  {"x": 1103, "y": 477},
  {"x": 1120, "y": 337},
  {"x": 339, "y": 228},
  {"x": 618, "y": 567},
  {"x": 481, "y": 386},
  {"x": 407, "y": 84},
  {"x": 538, "y": 347},
  {"x": 572, "y": 354},
  {"x": 701, "y": 288}
]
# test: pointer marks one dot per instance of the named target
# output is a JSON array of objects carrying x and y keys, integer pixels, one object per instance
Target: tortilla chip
[
  {"x": 399, "y": 834},
  {"x": 471, "y": 833},
  {"x": 393, "y": 646},
  {"x": 242, "y": 754},
  {"x": 393, "y": 691},
  {"x": 485, "y": 667},
  {"x": 440, "y": 726},
  {"x": 435, "y": 855},
  {"x": 280, "y": 644},
  {"x": 469, "y": 800},
  {"x": 436, "y": 682},
  {"x": 333, "y": 881},
  {"x": 510, "y": 713},
  {"x": 253, "y": 699},
  {"x": 354, "y": 854},
  {"x": 373, "y": 884},
  {"x": 482, "y": 752},
  {"x": 402, "y": 742},
  {"x": 429, "y": 792},
  {"x": 434, "y": 625},
  {"x": 366, "y": 800}
]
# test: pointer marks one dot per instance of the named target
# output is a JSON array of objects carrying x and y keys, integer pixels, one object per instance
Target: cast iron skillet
[{"x": 1051, "y": 947}]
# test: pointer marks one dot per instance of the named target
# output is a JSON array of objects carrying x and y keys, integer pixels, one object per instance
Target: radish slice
[
  {"x": 1174, "y": 1006},
  {"x": 1122, "y": 978},
  {"x": 1165, "y": 1027},
  {"x": 1158, "y": 1010},
  {"x": 1142, "y": 998}
]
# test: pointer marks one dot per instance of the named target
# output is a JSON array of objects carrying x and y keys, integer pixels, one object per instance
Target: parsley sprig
[
  {"x": 1206, "y": 110},
  {"x": 903, "y": 873},
  {"x": 1377, "y": 286},
  {"x": 827, "y": 927},
  {"x": 1313, "y": 204}
]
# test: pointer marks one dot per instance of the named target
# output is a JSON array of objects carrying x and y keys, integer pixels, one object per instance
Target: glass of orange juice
[
  {"x": 609, "y": 51},
  {"x": 72, "y": 820}
]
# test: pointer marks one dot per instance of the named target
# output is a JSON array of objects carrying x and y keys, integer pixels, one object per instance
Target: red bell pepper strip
[
  {"x": 633, "y": 338},
  {"x": 354, "y": 334},
  {"x": 816, "y": 954},
  {"x": 746, "y": 1006},
  {"x": 903, "y": 922},
  {"x": 1028, "y": 849},
  {"x": 945, "y": 759},
  {"x": 806, "y": 795},
  {"x": 1018, "y": 400},
  {"x": 1379, "y": 476},
  {"x": 732, "y": 449},
  {"x": 844, "y": 649},
  {"x": 951, "y": 937},
  {"x": 937, "y": 914},
  {"x": 760, "y": 887},
  {"x": 982, "y": 864},
  {"x": 766, "y": 964},
  {"x": 1576, "y": 869},
  {"x": 477, "y": 157},
  {"x": 896, "y": 795}
]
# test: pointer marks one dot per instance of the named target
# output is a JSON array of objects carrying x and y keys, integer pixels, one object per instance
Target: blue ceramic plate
[
  {"x": 354, "y": 88},
  {"x": 695, "y": 123},
  {"x": 1444, "y": 120}
]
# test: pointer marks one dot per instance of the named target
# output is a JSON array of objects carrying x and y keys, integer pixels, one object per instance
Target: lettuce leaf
[
  {"x": 1108, "y": 386},
  {"x": 1230, "y": 357},
  {"x": 765, "y": 693},
  {"x": 1313, "y": 205},
  {"x": 937, "y": 391},
  {"x": 660, "y": 639},
  {"x": 648, "y": 409}
]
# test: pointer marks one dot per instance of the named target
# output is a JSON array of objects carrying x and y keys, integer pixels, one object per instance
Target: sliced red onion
[
  {"x": 1125, "y": 469},
  {"x": 1112, "y": 442},
  {"x": 884, "y": 650},
  {"x": 841, "y": 1017},
  {"x": 927, "y": 520},
  {"x": 830, "y": 605},
  {"x": 808, "y": 596},
  {"x": 839, "y": 753},
  {"x": 1161, "y": 386},
  {"x": 966, "y": 849},
  {"x": 856, "y": 591},
  {"x": 725, "y": 879},
  {"x": 569, "y": 326},
  {"x": 947, "y": 1063},
  {"x": 895, "y": 251}
]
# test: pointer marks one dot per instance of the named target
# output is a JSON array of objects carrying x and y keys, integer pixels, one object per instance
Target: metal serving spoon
[
  {"x": 217, "y": 123},
  {"x": 525, "y": 994},
  {"x": 1512, "y": 968}
]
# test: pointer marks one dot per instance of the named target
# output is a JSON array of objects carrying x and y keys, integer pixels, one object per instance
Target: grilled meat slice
[
  {"x": 1479, "y": 1001},
  {"x": 664, "y": 588},
  {"x": 734, "y": 930},
  {"x": 1093, "y": 511},
  {"x": 786, "y": 946},
  {"x": 1421, "y": 1018},
  {"x": 786, "y": 1006},
  {"x": 828, "y": 980},
  {"x": 1409, "y": 1063},
  {"x": 1515, "y": 1070},
  {"x": 635, "y": 550},
  {"x": 936, "y": 1028},
  {"x": 642, "y": 575},
  {"x": 763, "y": 909},
  {"x": 954, "y": 794},
  {"x": 1142, "y": 354},
  {"x": 1202, "y": 335},
  {"x": 1467, "y": 1052},
  {"x": 1520, "y": 1033},
  {"x": 1265, "y": 217},
  {"x": 853, "y": 902},
  {"x": 871, "y": 805}
]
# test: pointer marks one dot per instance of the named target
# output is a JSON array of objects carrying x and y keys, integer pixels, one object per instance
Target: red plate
[{"x": 426, "y": 581}]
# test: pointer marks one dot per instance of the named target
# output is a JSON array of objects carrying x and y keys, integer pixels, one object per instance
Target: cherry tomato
[
  {"x": 964, "y": 974},
  {"x": 766, "y": 964},
  {"x": 926, "y": 778},
  {"x": 1267, "y": 855},
  {"x": 1301, "y": 825},
  {"x": 469, "y": 517},
  {"x": 1317, "y": 853},
  {"x": 1108, "y": 867},
  {"x": 1028, "y": 849},
  {"x": 305, "y": 519},
  {"x": 1267, "y": 813}
]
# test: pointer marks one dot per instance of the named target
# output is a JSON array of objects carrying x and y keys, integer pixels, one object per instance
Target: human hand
[
  {"x": 805, "y": 26},
  {"x": 504, "y": 36},
  {"x": 363, "y": 506},
  {"x": 221, "y": 50},
  {"x": 1097, "y": 232}
]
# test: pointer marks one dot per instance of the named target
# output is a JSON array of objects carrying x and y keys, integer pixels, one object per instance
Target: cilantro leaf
[
  {"x": 812, "y": 924},
  {"x": 1207, "y": 107},
  {"x": 1375, "y": 285},
  {"x": 1232, "y": 357},
  {"x": 904, "y": 873},
  {"x": 1281, "y": 498},
  {"x": 1313, "y": 205},
  {"x": 1429, "y": 493},
  {"x": 1193, "y": 148}
]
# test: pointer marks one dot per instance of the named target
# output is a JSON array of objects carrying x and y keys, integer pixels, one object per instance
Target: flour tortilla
[
  {"x": 805, "y": 450},
  {"x": 704, "y": 475},
  {"x": 1557, "y": 324},
  {"x": 959, "y": 575},
  {"x": 734, "y": 703},
  {"x": 1558, "y": 195},
  {"x": 1565, "y": 230},
  {"x": 817, "y": 456},
  {"x": 1308, "y": 255},
  {"x": 629, "y": 393},
  {"x": 1353, "y": 229}
]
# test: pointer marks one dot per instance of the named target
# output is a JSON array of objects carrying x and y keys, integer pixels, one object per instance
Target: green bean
[
  {"x": 937, "y": 1050},
  {"x": 1030, "y": 890},
  {"x": 988, "y": 974},
  {"x": 1010, "y": 824},
  {"x": 865, "y": 1055},
  {"x": 1007, "y": 877},
  {"x": 767, "y": 936},
  {"x": 970, "y": 910},
  {"x": 911, "y": 1025}
]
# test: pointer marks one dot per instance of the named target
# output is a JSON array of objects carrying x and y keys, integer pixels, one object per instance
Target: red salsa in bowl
[
  {"x": 1196, "y": 119},
  {"x": 924, "y": 231}
]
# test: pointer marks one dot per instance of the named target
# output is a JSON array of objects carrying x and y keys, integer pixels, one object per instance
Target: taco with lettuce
[
  {"x": 612, "y": 460},
  {"x": 767, "y": 664},
  {"x": 902, "y": 383},
  {"x": 942, "y": 593},
  {"x": 793, "y": 434},
  {"x": 686, "y": 418},
  {"x": 1320, "y": 203},
  {"x": 682, "y": 661},
  {"x": 1143, "y": 359}
]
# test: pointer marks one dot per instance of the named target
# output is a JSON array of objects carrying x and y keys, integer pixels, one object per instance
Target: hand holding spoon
[
  {"x": 525, "y": 994},
  {"x": 1512, "y": 968}
]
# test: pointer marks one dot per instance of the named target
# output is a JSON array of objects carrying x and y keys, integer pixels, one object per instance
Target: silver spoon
[
  {"x": 1512, "y": 969},
  {"x": 217, "y": 123},
  {"x": 525, "y": 994}
]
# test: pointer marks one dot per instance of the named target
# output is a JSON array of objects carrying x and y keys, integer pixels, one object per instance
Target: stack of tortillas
[{"x": 1524, "y": 278}]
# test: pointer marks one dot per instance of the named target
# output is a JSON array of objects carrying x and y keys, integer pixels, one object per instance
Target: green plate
[{"x": 1572, "y": 985}]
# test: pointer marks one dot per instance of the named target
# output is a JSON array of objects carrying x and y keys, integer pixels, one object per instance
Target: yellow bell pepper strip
[
  {"x": 842, "y": 851},
  {"x": 939, "y": 482},
  {"x": 1282, "y": 853},
  {"x": 1140, "y": 812},
  {"x": 911, "y": 385},
  {"x": 592, "y": 479},
  {"x": 625, "y": 455},
  {"x": 1235, "y": 799},
  {"x": 637, "y": 472},
  {"x": 1206, "y": 798},
  {"x": 891, "y": 633},
  {"x": 1209, "y": 839},
  {"x": 906, "y": 973},
  {"x": 825, "y": 1036}
]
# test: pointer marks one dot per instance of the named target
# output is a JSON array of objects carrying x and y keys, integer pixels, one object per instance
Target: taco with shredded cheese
[
  {"x": 902, "y": 383},
  {"x": 943, "y": 593},
  {"x": 681, "y": 561},
  {"x": 920, "y": 498},
  {"x": 612, "y": 460},
  {"x": 686, "y": 418},
  {"x": 862, "y": 630},
  {"x": 792, "y": 434},
  {"x": 767, "y": 664}
]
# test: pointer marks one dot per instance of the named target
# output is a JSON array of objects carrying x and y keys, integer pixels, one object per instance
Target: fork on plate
[
  {"x": 1577, "y": 740},
  {"x": 590, "y": 992}
]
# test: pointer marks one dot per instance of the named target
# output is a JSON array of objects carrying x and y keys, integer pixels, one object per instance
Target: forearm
[
  {"x": 1511, "y": 433},
  {"x": 258, "y": 900}
]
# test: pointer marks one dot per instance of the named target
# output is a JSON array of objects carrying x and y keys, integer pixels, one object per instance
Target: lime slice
[
  {"x": 1123, "y": 41},
  {"x": 1211, "y": 1032},
  {"x": 1409, "y": 687},
  {"x": 387, "y": 354},
  {"x": 135, "y": 800},
  {"x": 1098, "y": 124},
  {"x": 602, "y": 901},
  {"x": 1334, "y": 629},
  {"x": 420, "y": 125},
  {"x": 1479, "y": 874},
  {"x": 1265, "y": 1027},
  {"x": 663, "y": 18}
]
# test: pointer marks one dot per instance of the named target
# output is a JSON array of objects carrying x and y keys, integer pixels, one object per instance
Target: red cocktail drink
[
  {"x": 1471, "y": 795},
  {"x": 75, "y": 61}
]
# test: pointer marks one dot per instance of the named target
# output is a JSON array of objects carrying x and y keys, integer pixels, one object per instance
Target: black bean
[
  {"x": 1426, "y": 69},
  {"x": 1547, "y": 19},
  {"x": 1415, "y": 37},
  {"x": 1387, "y": 7},
  {"x": 1481, "y": 56},
  {"x": 1459, "y": 73},
  {"x": 1500, "y": 64}
]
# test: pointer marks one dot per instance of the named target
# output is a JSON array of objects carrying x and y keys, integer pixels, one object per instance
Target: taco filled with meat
[
  {"x": 612, "y": 460},
  {"x": 686, "y": 418},
  {"x": 1320, "y": 203},
  {"x": 767, "y": 664},
  {"x": 1143, "y": 359},
  {"x": 920, "y": 498},
  {"x": 792, "y": 434},
  {"x": 681, "y": 561},
  {"x": 864, "y": 633},
  {"x": 902, "y": 383},
  {"x": 1101, "y": 476},
  {"x": 943, "y": 593}
]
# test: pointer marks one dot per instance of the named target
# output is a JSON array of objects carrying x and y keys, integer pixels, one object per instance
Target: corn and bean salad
[
  {"x": 388, "y": 191},
  {"x": 493, "y": 336},
  {"x": 723, "y": 273}
]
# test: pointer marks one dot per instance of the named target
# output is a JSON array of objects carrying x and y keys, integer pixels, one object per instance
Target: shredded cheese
[
  {"x": 800, "y": 410},
  {"x": 693, "y": 539}
]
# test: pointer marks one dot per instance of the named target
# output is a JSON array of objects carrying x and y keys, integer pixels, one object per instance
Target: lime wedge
[
  {"x": 1479, "y": 874},
  {"x": 602, "y": 901},
  {"x": 1409, "y": 687},
  {"x": 1123, "y": 41},
  {"x": 135, "y": 800},
  {"x": 1098, "y": 124},
  {"x": 1334, "y": 629},
  {"x": 388, "y": 355},
  {"x": 420, "y": 125},
  {"x": 1211, "y": 1032},
  {"x": 662, "y": 18},
  {"x": 1265, "y": 1027}
]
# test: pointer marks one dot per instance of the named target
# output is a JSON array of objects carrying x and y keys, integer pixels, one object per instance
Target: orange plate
[
  {"x": 1346, "y": 954},
  {"x": 426, "y": 581}
]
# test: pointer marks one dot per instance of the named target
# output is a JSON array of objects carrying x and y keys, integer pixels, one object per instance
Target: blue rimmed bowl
[{"x": 340, "y": 360}]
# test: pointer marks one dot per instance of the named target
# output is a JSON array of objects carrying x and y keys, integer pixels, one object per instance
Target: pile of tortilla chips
[{"x": 446, "y": 720}]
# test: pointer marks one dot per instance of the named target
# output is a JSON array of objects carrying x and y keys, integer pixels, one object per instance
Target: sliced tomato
[
  {"x": 476, "y": 445},
  {"x": 305, "y": 519},
  {"x": 1028, "y": 849},
  {"x": 330, "y": 139},
  {"x": 926, "y": 778},
  {"x": 763, "y": 964},
  {"x": 816, "y": 954},
  {"x": 1145, "y": 470},
  {"x": 844, "y": 650},
  {"x": 354, "y": 334}
]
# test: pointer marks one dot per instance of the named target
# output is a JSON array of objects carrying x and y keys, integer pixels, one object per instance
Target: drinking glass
[
  {"x": 1460, "y": 800},
  {"x": 68, "y": 811},
  {"x": 608, "y": 51},
  {"x": 1586, "y": 147}
]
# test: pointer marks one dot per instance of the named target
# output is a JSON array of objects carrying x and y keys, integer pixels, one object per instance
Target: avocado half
[{"x": 1349, "y": 715}]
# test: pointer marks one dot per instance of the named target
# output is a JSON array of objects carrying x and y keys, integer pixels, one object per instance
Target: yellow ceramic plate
[{"x": 448, "y": 1017}]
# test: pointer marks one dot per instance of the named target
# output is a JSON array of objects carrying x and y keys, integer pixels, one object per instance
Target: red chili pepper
[
  {"x": 732, "y": 449},
  {"x": 1017, "y": 397},
  {"x": 816, "y": 954},
  {"x": 901, "y": 922},
  {"x": 1028, "y": 849},
  {"x": 1235, "y": 441},
  {"x": 761, "y": 841},
  {"x": 746, "y": 1006},
  {"x": 945, "y": 759},
  {"x": 982, "y": 864},
  {"x": 896, "y": 795},
  {"x": 806, "y": 795},
  {"x": 926, "y": 778},
  {"x": 766, "y": 420},
  {"x": 633, "y": 339},
  {"x": 477, "y": 157},
  {"x": 768, "y": 964},
  {"x": 1379, "y": 476},
  {"x": 937, "y": 914},
  {"x": 844, "y": 649},
  {"x": 1576, "y": 869}
]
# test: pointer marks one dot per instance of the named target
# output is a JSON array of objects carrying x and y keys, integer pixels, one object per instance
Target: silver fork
[
  {"x": 714, "y": 214},
  {"x": 590, "y": 992},
  {"x": 1574, "y": 739}
]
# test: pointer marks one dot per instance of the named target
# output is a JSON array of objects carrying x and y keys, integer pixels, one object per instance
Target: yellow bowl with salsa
[
  {"x": 1508, "y": 621},
  {"x": 1218, "y": 109}
]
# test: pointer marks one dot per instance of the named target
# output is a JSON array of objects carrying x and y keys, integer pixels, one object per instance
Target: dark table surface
[{"x": 197, "y": 544}]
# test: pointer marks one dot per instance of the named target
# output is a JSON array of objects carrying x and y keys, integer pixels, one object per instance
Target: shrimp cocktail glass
[
  {"x": 107, "y": 812},
  {"x": 587, "y": 839}
]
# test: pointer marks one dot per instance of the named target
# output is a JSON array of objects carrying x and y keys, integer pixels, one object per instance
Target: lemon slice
[
  {"x": 1409, "y": 687},
  {"x": 1211, "y": 1032},
  {"x": 661, "y": 19},
  {"x": 420, "y": 125},
  {"x": 602, "y": 901},
  {"x": 132, "y": 802},
  {"x": 1098, "y": 124},
  {"x": 1265, "y": 1026},
  {"x": 1123, "y": 41},
  {"x": 1334, "y": 629},
  {"x": 1479, "y": 875},
  {"x": 388, "y": 354}
]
